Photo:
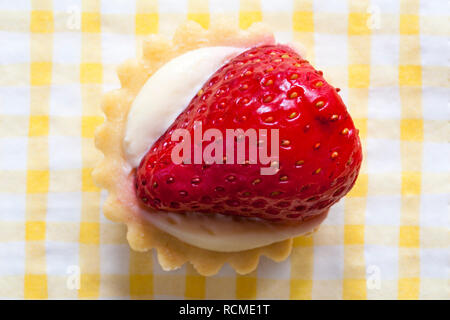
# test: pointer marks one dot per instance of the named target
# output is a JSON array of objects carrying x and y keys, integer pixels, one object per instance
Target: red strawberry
[{"x": 265, "y": 87}]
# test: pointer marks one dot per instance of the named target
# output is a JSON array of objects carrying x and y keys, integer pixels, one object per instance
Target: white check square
[
  {"x": 12, "y": 206},
  {"x": 284, "y": 37},
  {"x": 15, "y": 47},
  {"x": 385, "y": 6},
  {"x": 336, "y": 214},
  {"x": 383, "y": 210},
  {"x": 12, "y": 258},
  {"x": 436, "y": 157},
  {"x": 66, "y": 5},
  {"x": 269, "y": 269},
  {"x": 117, "y": 47},
  {"x": 434, "y": 263},
  {"x": 66, "y": 47},
  {"x": 344, "y": 95},
  {"x": 103, "y": 196},
  {"x": 226, "y": 271},
  {"x": 384, "y": 258},
  {"x": 17, "y": 5},
  {"x": 434, "y": 210},
  {"x": 330, "y": 50},
  {"x": 220, "y": 6},
  {"x": 383, "y": 155},
  {"x": 434, "y": 7},
  {"x": 14, "y": 100},
  {"x": 335, "y": 6},
  {"x": 276, "y": 6},
  {"x": 65, "y": 152},
  {"x": 328, "y": 262},
  {"x": 384, "y": 103},
  {"x": 61, "y": 257},
  {"x": 13, "y": 153},
  {"x": 115, "y": 258},
  {"x": 172, "y": 6},
  {"x": 435, "y": 103},
  {"x": 118, "y": 7},
  {"x": 385, "y": 49},
  {"x": 64, "y": 206},
  {"x": 432, "y": 52},
  {"x": 65, "y": 100}
]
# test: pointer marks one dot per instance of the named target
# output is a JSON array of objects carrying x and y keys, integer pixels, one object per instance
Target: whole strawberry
[{"x": 266, "y": 87}]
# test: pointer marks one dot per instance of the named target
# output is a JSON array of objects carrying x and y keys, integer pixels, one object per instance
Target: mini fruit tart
[{"x": 221, "y": 146}]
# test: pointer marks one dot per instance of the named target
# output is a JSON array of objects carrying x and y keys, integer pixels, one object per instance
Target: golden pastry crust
[{"x": 114, "y": 174}]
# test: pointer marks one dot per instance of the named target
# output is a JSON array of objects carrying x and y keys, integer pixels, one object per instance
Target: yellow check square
[
  {"x": 195, "y": 287},
  {"x": 38, "y": 181},
  {"x": 35, "y": 230},
  {"x": 303, "y": 241},
  {"x": 39, "y": 126},
  {"x": 410, "y": 75},
  {"x": 361, "y": 125},
  {"x": 409, "y": 24},
  {"x": 300, "y": 289},
  {"x": 90, "y": 233},
  {"x": 358, "y": 23},
  {"x": 41, "y": 22},
  {"x": 146, "y": 23},
  {"x": 360, "y": 187},
  {"x": 90, "y": 22},
  {"x": 247, "y": 18},
  {"x": 200, "y": 18},
  {"x": 411, "y": 130},
  {"x": 411, "y": 182},
  {"x": 358, "y": 76},
  {"x": 89, "y": 286},
  {"x": 41, "y": 73},
  {"x": 35, "y": 286},
  {"x": 245, "y": 287},
  {"x": 353, "y": 234},
  {"x": 141, "y": 285},
  {"x": 91, "y": 73},
  {"x": 354, "y": 289},
  {"x": 87, "y": 183},
  {"x": 303, "y": 21},
  {"x": 408, "y": 288},
  {"x": 409, "y": 236},
  {"x": 89, "y": 124}
]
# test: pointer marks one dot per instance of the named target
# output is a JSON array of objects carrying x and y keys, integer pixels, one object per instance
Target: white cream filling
[
  {"x": 166, "y": 94},
  {"x": 163, "y": 97},
  {"x": 223, "y": 233}
]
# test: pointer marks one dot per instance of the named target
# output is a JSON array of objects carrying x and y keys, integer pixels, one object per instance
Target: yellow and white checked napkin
[{"x": 387, "y": 239}]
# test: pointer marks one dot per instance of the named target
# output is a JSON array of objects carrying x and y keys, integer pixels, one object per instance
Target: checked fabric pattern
[{"x": 387, "y": 239}]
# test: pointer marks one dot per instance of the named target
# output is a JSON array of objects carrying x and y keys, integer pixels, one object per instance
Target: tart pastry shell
[{"x": 114, "y": 174}]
